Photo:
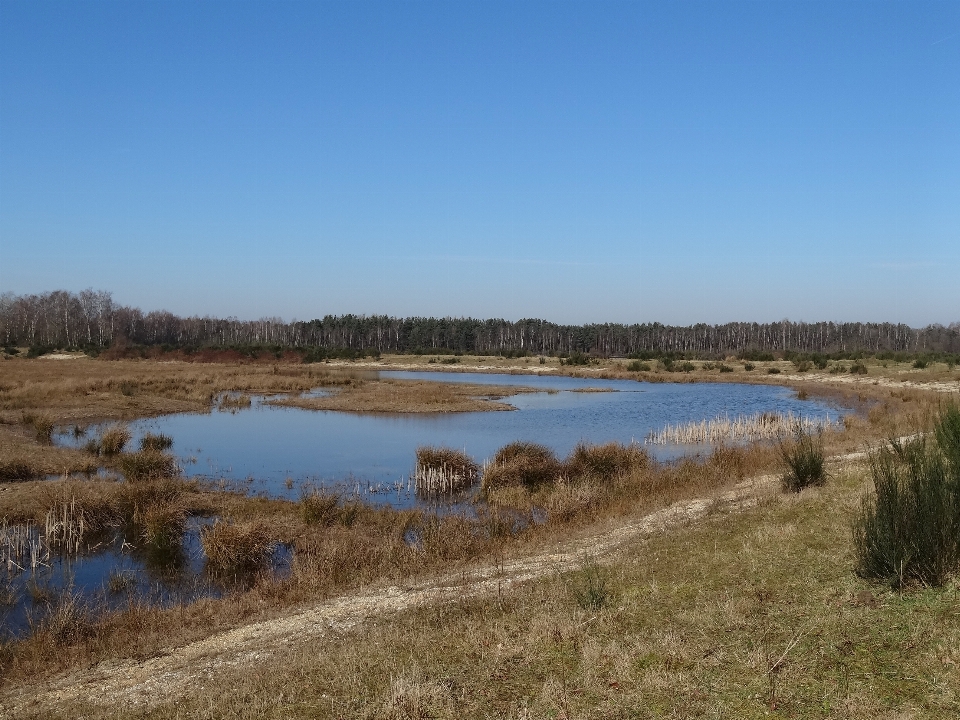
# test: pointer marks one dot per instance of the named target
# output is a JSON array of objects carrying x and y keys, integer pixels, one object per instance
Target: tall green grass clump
[
  {"x": 908, "y": 529},
  {"x": 804, "y": 460}
]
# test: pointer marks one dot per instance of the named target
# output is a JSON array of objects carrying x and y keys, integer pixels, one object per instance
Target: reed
[
  {"x": 443, "y": 470},
  {"x": 743, "y": 428}
]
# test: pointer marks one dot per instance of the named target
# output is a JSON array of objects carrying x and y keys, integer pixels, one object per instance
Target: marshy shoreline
[{"x": 342, "y": 546}]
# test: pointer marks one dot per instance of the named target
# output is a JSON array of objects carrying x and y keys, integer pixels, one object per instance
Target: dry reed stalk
[
  {"x": 444, "y": 470},
  {"x": 743, "y": 428}
]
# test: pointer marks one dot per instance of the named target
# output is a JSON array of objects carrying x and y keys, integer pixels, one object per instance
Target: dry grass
[
  {"x": 342, "y": 548},
  {"x": 749, "y": 615},
  {"x": 146, "y": 465},
  {"x": 408, "y": 396},
  {"x": 237, "y": 548}
]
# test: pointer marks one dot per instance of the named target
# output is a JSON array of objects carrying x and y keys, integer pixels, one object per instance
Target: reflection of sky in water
[
  {"x": 271, "y": 444},
  {"x": 147, "y": 578}
]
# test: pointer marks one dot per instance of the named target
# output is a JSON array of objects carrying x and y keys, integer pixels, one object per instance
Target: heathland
[{"x": 695, "y": 588}]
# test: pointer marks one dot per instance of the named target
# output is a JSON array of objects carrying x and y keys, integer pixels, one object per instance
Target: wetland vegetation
[{"x": 331, "y": 544}]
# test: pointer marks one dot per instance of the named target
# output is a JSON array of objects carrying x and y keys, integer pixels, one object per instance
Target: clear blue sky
[{"x": 588, "y": 161}]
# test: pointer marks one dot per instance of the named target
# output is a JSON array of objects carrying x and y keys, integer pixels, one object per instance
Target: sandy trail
[{"x": 143, "y": 683}]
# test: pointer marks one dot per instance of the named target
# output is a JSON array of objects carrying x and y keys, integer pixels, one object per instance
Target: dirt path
[{"x": 142, "y": 683}]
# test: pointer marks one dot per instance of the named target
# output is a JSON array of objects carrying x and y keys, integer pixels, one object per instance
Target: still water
[{"x": 277, "y": 451}]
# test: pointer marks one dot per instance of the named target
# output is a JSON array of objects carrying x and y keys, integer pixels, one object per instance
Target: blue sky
[{"x": 677, "y": 162}]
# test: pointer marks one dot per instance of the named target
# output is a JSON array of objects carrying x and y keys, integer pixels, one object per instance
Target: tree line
[{"x": 91, "y": 319}]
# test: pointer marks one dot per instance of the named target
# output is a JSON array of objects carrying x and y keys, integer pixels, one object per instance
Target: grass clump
[
  {"x": 804, "y": 460},
  {"x": 591, "y": 588},
  {"x": 233, "y": 549},
  {"x": 112, "y": 440},
  {"x": 522, "y": 464},
  {"x": 16, "y": 470},
  {"x": 606, "y": 461},
  {"x": 147, "y": 465},
  {"x": 42, "y": 425},
  {"x": 159, "y": 442},
  {"x": 908, "y": 529},
  {"x": 325, "y": 509}
]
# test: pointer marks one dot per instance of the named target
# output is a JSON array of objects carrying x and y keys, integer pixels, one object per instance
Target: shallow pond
[
  {"x": 278, "y": 450},
  {"x": 108, "y": 573}
]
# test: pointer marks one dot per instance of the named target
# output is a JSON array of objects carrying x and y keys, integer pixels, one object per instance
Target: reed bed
[
  {"x": 443, "y": 470},
  {"x": 31, "y": 545},
  {"x": 743, "y": 428}
]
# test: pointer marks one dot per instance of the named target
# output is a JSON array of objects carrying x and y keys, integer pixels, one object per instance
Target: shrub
[
  {"x": 802, "y": 365},
  {"x": 804, "y": 460},
  {"x": 749, "y": 366},
  {"x": 858, "y": 368},
  {"x": 725, "y": 368},
  {"x": 686, "y": 367},
  {"x": 637, "y": 366},
  {"x": 908, "y": 529},
  {"x": 522, "y": 463},
  {"x": 576, "y": 358},
  {"x": 113, "y": 440},
  {"x": 773, "y": 371},
  {"x": 235, "y": 549},
  {"x": 920, "y": 363}
]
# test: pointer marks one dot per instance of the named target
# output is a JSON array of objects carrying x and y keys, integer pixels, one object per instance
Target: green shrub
[
  {"x": 591, "y": 588},
  {"x": 858, "y": 368},
  {"x": 920, "y": 363},
  {"x": 749, "y": 366},
  {"x": 804, "y": 461},
  {"x": 773, "y": 371},
  {"x": 908, "y": 530},
  {"x": 637, "y": 366}
]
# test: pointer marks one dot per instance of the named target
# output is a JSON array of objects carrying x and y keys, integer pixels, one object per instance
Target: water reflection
[{"x": 276, "y": 451}]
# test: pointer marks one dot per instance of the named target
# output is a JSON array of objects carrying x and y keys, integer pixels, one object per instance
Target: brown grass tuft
[
  {"x": 522, "y": 463},
  {"x": 113, "y": 439},
  {"x": 236, "y": 548}
]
